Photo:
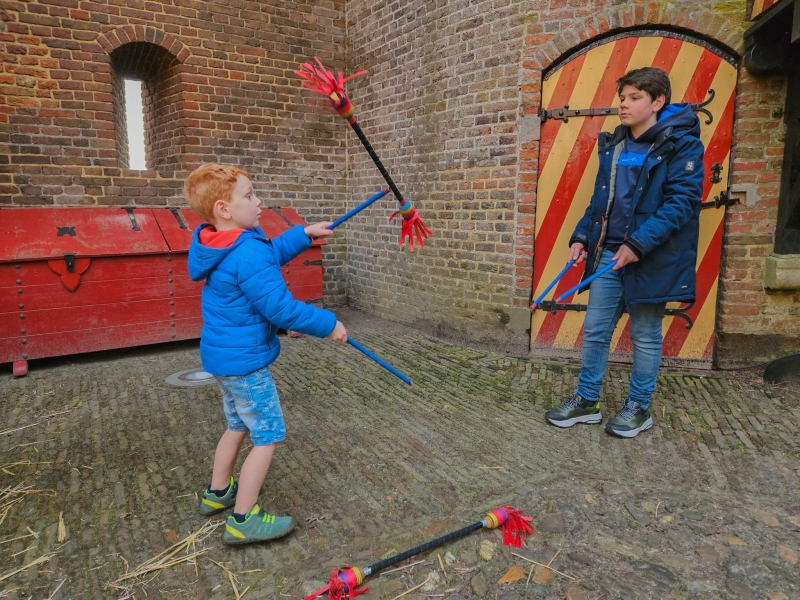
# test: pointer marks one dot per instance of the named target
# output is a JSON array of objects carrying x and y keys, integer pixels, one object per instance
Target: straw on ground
[
  {"x": 62, "y": 530},
  {"x": 38, "y": 561},
  {"x": 12, "y": 495},
  {"x": 232, "y": 579},
  {"x": 545, "y": 566},
  {"x": 165, "y": 559}
]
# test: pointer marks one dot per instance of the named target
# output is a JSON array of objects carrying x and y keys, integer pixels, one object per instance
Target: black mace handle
[
  {"x": 397, "y": 558},
  {"x": 357, "y": 128}
]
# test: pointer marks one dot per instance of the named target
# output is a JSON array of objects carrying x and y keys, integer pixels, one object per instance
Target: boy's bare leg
[
  {"x": 254, "y": 471},
  {"x": 225, "y": 457}
]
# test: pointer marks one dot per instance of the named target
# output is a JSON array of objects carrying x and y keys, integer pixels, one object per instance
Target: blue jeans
[
  {"x": 606, "y": 304},
  {"x": 251, "y": 404}
]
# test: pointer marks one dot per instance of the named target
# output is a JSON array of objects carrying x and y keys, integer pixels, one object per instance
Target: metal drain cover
[{"x": 190, "y": 378}]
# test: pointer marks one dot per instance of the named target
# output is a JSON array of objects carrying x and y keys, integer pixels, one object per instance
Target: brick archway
[
  {"x": 543, "y": 48},
  {"x": 693, "y": 19},
  {"x": 116, "y": 38},
  {"x": 156, "y": 59}
]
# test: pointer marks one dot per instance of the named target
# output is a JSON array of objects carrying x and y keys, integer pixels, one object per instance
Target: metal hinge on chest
[
  {"x": 565, "y": 112},
  {"x": 69, "y": 269}
]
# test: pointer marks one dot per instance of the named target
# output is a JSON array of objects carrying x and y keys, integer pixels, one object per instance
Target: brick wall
[
  {"x": 120, "y": 120},
  {"x": 220, "y": 78},
  {"x": 451, "y": 103},
  {"x": 440, "y": 105},
  {"x": 755, "y": 324}
]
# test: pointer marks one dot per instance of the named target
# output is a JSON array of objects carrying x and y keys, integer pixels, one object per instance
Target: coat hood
[
  {"x": 677, "y": 117},
  {"x": 203, "y": 260},
  {"x": 674, "y": 120}
]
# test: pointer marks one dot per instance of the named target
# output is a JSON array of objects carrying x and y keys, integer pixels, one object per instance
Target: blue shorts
[{"x": 251, "y": 404}]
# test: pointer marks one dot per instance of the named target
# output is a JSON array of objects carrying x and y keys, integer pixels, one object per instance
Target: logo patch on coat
[{"x": 690, "y": 165}]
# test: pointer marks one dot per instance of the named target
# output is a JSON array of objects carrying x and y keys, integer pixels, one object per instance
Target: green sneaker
[
  {"x": 575, "y": 410},
  {"x": 211, "y": 504},
  {"x": 258, "y": 526},
  {"x": 630, "y": 421}
]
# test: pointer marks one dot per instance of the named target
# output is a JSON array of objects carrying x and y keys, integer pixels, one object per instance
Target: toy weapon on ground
[
  {"x": 587, "y": 281},
  {"x": 378, "y": 360},
  {"x": 343, "y": 582},
  {"x": 318, "y": 79}
]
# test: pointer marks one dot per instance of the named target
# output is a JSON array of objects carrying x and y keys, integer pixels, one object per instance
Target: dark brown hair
[{"x": 652, "y": 80}]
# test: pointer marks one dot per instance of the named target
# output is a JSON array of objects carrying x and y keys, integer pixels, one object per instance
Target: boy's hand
[
  {"x": 339, "y": 333},
  {"x": 624, "y": 256},
  {"x": 318, "y": 230},
  {"x": 576, "y": 253}
]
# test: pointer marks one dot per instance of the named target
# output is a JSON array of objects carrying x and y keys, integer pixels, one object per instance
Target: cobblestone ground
[{"x": 706, "y": 505}]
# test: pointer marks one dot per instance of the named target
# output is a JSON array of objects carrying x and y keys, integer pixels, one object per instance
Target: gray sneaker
[
  {"x": 575, "y": 410},
  {"x": 630, "y": 421}
]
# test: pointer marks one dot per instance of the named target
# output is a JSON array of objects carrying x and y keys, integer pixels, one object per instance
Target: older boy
[
  {"x": 644, "y": 215},
  {"x": 245, "y": 301}
]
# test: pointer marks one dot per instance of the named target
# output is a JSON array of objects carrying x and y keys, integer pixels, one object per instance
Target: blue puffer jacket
[
  {"x": 665, "y": 211},
  {"x": 245, "y": 300}
]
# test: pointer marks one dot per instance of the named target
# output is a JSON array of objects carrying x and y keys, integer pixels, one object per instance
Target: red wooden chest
[{"x": 86, "y": 279}]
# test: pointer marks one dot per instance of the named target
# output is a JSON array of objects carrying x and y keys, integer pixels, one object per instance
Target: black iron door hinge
[
  {"x": 724, "y": 199},
  {"x": 553, "y": 307},
  {"x": 564, "y": 113}
]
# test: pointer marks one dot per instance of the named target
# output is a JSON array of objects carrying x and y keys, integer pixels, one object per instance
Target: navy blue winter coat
[
  {"x": 245, "y": 300},
  {"x": 665, "y": 211}
]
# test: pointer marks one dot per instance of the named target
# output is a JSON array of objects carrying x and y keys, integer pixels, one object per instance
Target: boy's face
[
  {"x": 243, "y": 209},
  {"x": 637, "y": 109}
]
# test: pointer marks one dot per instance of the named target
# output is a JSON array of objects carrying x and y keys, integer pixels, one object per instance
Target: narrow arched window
[
  {"x": 134, "y": 117},
  {"x": 146, "y": 90}
]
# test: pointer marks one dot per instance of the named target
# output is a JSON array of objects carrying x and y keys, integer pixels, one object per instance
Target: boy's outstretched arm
[
  {"x": 318, "y": 230},
  {"x": 297, "y": 239},
  {"x": 339, "y": 333},
  {"x": 261, "y": 281}
]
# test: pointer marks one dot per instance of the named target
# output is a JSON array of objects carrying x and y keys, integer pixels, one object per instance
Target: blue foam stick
[
  {"x": 550, "y": 287},
  {"x": 588, "y": 280},
  {"x": 358, "y": 208},
  {"x": 378, "y": 360}
]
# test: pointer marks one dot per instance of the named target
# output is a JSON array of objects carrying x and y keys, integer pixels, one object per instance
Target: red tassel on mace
[
  {"x": 319, "y": 79},
  {"x": 342, "y": 584},
  {"x": 514, "y": 525}
]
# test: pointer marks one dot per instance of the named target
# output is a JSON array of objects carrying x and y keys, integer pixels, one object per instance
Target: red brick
[{"x": 239, "y": 102}]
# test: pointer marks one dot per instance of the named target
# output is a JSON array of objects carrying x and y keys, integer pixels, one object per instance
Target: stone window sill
[{"x": 782, "y": 272}]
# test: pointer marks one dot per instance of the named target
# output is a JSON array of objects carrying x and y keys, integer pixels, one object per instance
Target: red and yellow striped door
[
  {"x": 568, "y": 164},
  {"x": 760, "y": 6}
]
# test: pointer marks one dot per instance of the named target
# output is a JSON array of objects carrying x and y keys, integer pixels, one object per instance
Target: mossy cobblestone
[{"x": 372, "y": 467}]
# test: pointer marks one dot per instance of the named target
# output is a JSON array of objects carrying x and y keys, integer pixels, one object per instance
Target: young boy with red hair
[{"x": 245, "y": 301}]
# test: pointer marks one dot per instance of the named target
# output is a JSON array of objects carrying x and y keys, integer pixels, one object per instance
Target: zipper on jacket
[{"x": 612, "y": 184}]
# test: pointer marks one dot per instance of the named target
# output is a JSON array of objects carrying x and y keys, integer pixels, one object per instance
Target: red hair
[{"x": 207, "y": 184}]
